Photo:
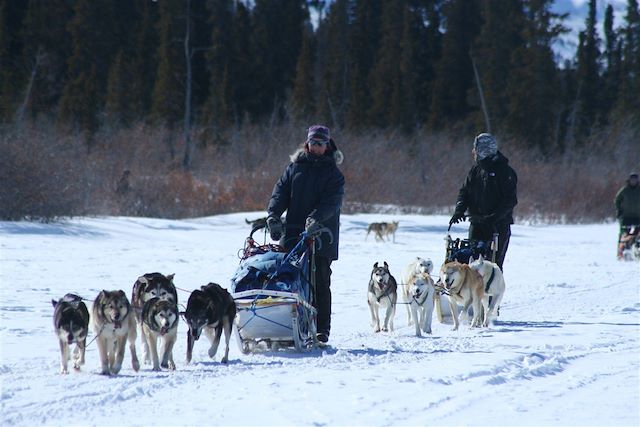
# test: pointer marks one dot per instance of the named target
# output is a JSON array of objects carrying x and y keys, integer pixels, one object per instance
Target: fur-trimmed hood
[{"x": 301, "y": 154}]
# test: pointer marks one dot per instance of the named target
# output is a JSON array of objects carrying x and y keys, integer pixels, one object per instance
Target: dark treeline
[
  {"x": 396, "y": 64},
  {"x": 182, "y": 108}
]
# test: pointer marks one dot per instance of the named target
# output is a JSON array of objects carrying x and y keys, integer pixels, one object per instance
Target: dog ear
[
  {"x": 375, "y": 265},
  {"x": 481, "y": 259},
  {"x": 143, "y": 280},
  {"x": 386, "y": 265},
  {"x": 171, "y": 276}
]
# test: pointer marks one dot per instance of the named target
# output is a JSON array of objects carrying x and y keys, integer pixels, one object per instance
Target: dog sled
[
  {"x": 273, "y": 291},
  {"x": 462, "y": 250},
  {"x": 629, "y": 243}
]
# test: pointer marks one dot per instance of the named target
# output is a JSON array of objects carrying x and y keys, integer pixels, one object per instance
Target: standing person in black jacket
[
  {"x": 488, "y": 195},
  {"x": 311, "y": 190}
]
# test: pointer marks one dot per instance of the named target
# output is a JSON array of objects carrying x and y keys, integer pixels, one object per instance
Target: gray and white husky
[
  {"x": 382, "y": 293},
  {"x": 114, "y": 324},
  {"x": 160, "y": 321},
  {"x": 146, "y": 287},
  {"x": 71, "y": 323}
]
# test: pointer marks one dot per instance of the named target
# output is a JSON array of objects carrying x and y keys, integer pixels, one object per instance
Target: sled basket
[{"x": 273, "y": 292}]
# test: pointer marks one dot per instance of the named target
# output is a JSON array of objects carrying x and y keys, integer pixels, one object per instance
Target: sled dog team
[
  {"x": 154, "y": 310},
  {"x": 211, "y": 309},
  {"x": 479, "y": 285}
]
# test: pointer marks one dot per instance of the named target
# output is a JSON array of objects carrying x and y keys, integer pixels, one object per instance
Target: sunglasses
[{"x": 316, "y": 142}]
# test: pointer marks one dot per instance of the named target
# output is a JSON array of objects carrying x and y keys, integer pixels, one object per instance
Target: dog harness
[{"x": 493, "y": 274}]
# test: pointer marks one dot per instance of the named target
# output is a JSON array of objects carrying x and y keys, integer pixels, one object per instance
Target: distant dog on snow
[
  {"x": 160, "y": 321},
  {"x": 382, "y": 229},
  {"x": 494, "y": 286},
  {"x": 420, "y": 292},
  {"x": 382, "y": 293},
  {"x": 465, "y": 287},
  {"x": 71, "y": 322},
  {"x": 114, "y": 324},
  {"x": 212, "y": 309},
  {"x": 146, "y": 287}
]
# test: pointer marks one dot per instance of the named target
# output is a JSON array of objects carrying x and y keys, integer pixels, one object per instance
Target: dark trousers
[
  {"x": 485, "y": 232},
  {"x": 322, "y": 301}
]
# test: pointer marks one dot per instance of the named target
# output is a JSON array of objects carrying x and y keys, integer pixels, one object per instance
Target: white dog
[
  {"x": 422, "y": 292},
  {"x": 419, "y": 267},
  {"x": 494, "y": 286}
]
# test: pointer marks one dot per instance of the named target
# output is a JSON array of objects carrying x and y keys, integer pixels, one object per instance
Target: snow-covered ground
[{"x": 564, "y": 351}]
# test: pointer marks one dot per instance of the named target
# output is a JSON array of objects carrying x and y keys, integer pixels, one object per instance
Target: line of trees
[{"x": 361, "y": 64}]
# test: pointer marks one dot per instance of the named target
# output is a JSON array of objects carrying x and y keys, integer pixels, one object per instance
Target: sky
[
  {"x": 575, "y": 21},
  {"x": 563, "y": 352}
]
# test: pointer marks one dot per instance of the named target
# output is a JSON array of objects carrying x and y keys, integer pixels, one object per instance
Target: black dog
[
  {"x": 71, "y": 322},
  {"x": 213, "y": 309}
]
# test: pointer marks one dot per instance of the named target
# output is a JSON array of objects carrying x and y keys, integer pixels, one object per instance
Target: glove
[
  {"x": 312, "y": 227},
  {"x": 457, "y": 217},
  {"x": 275, "y": 227}
]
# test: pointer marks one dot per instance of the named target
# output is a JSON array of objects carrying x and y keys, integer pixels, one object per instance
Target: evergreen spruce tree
[
  {"x": 12, "y": 80},
  {"x": 334, "y": 69},
  {"x": 628, "y": 101},
  {"x": 533, "y": 94},
  {"x": 46, "y": 37},
  {"x": 364, "y": 40},
  {"x": 218, "y": 110},
  {"x": 277, "y": 37},
  {"x": 500, "y": 36},
  {"x": 303, "y": 96},
  {"x": 386, "y": 93},
  {"x": 143, "y": 60},
  {"x": 588, "y": 76},
  {"x": 613, "y": 58},
  {"x": 454, "y": 72},
  {"x": 168, "y": 91},
  {"x": 84, "y": 92}
]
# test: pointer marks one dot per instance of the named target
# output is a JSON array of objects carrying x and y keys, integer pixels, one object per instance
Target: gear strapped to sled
[{"x": 273, "y": 291}]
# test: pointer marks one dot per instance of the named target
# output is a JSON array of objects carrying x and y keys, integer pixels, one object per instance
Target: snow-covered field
[{"x": 564, "y": 351}]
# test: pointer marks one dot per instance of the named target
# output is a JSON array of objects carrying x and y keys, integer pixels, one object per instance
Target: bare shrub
[{"x": 51, "y": 172}]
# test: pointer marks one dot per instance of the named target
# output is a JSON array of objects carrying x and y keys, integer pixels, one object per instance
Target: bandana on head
[{"x": 485, "y": 145}]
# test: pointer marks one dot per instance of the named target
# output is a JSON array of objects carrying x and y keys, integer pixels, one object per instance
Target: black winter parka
[
  {"x": 310, "y": 186},
  {"x": 488, "y": 193}
]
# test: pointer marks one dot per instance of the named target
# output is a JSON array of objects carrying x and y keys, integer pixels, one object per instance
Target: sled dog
[
  {"x": 151, "y": 285},
  {"x": 416, "y": 268},
  {"x": 465, "y": 287},
  {"x": 114, "y": 324},
  {"x": 382, "y": 293},
  {"x": 212, "y": 309},
  {"x": 494, "y": 286},
  {"x": 160, "y": 320},
  {"x": 382, "y": 229},
  {"x": 71, "y": 323},
  {"x": 421, "y": 301}
]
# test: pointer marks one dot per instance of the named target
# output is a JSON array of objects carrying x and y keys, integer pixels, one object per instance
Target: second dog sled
[
  {"x": 273, "y": 291},
  {"x": 462, "y": 250}
]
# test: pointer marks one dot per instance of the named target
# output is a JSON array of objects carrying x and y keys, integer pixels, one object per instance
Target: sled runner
[{"x": 273, "y": 292}]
